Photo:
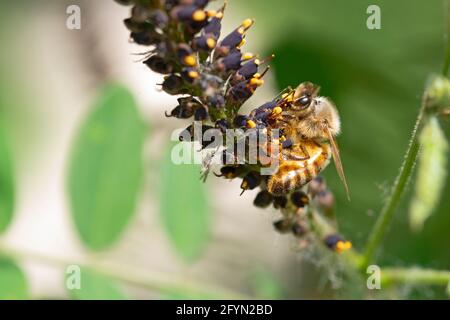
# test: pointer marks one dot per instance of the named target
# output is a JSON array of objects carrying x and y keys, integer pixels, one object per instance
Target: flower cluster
[{"x": 215, "y": 78}]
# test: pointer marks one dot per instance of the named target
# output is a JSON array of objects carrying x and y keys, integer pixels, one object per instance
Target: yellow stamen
[
  {"x": 211, "y": 43},
  {"x": 343, "y": 246},
  {"x": 219, "y": 15},
  {"x": 277, "y": 110},
  {"x": 242, "y": 43},
  {"x": 251, "y": 124},
  {"x": 199, "y": 15},
  {"x": 257, "y": 62},
  {"x": 282, "y": 138},
  {"x": 257, "y": 75},
  {"x": 211, "y": 13},
  {"x": 256, "y": 82},
  {"x": 244, "y": 185},
  {"x": 241, "y": 30},
  {"x": 247, "y": 56},
  {"x": 339, "y": 246},
  {"x": 190, "y": 60},
  {"x": 193, "y": 74},
  {"x": 247, "y": 23}
]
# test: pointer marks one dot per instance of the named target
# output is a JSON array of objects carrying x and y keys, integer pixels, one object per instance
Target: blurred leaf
[
  {"x": 265, "y": 286},
  {"x": 6, "y": 183},
  {"x": 431, "y": 173},
  {"x": 106, "y": 168},
  {"x": 13, "y": 284},
  {"x": 95, "y": 286},
  {"x": 184, "y": 208}
]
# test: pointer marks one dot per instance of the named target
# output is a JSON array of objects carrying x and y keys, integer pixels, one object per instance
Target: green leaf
[
  {"x": 13, "y": 284},
  {"x": 106, "y": 168},
  {"x": 431, "y": 173},
  {"x": 6, "y": 183},
  {"x": 184, "y": 208},
  {"x": 448, "y": 289},
  {"x": 94, "y": 286}
]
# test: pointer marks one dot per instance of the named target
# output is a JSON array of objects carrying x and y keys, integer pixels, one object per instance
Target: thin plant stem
[
  {"x": 388, "y": 211},
  {"x": 446, "y": 37},
  {"x": 161, "y": 283},
  {"x": 416, "y": 276}
]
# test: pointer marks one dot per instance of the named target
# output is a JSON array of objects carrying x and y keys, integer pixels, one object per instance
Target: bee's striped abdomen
[{"x": 293, "y": 174}]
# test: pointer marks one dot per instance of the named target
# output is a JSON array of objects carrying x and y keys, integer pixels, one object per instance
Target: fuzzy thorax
[{"x": 322, "y": 113}]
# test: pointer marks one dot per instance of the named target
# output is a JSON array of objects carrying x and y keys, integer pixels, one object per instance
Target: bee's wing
[{"x": 337, "y": 160}]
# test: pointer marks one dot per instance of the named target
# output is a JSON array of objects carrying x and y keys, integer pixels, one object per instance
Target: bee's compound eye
[{"x": 304, "y": 101}]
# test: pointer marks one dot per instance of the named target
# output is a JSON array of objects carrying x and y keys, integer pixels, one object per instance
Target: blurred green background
[{"x": 375, "y": 77}]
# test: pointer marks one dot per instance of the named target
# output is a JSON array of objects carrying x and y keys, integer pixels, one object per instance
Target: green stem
[
  {"x": 417, "y": 276},
  {"x": 446, "y": 37},
  {"x": 147, "y": 279},
  {"x": 388, "y": 211}
]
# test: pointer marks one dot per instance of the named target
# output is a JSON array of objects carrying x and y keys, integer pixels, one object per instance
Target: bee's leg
[{"x": 295, "y": 157}]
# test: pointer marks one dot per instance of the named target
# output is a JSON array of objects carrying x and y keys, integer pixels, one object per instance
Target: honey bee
[{"x": 308, "y": 124}]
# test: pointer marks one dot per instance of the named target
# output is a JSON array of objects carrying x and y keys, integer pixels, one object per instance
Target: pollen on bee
[{"x": 199, "y": 15}]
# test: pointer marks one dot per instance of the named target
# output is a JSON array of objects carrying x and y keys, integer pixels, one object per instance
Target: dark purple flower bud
[
  {"x": 235, "y": 38},
  {"x": 280, "y": 202},
  {"x": 283, "y": 225},
  {"x": 250, "y": 181},
  {"x": 190, "y": 74},
  {"x": 159, "y": 18},
  {"x": 173, "y": 84},
  {"x": 229, "y": 172},
  {"x": 189, "y": 13},
  {"x": 214, "y": 26},
  {"x": 222, "y": 125},
  {"x": 247, "y": 71},
  {"x": 230, "y": 62},
  {"x": 186, "y": 55},
  {"x": 140, "y": 13},
  {"x": 201, "y": 114},
  {"x": 159, "y": 65},
  {"x": 185, "y": 109},
  {"x": 146, "y": 38},
  {"x": 216, "y": 101},
  {"x": 204, "y": 43},
  {"x": 137, "y": 27},
  {"x": 262, "y": 112},
  {"x": 263, "y": 199},
  {"x": 198, "y": 3},
  {"x": 299, "y": 199},
  {"x": 241, "y": 121}
]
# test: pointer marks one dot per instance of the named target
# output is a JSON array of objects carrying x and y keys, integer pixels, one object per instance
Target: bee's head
[{"x": 303, "y": 97}]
